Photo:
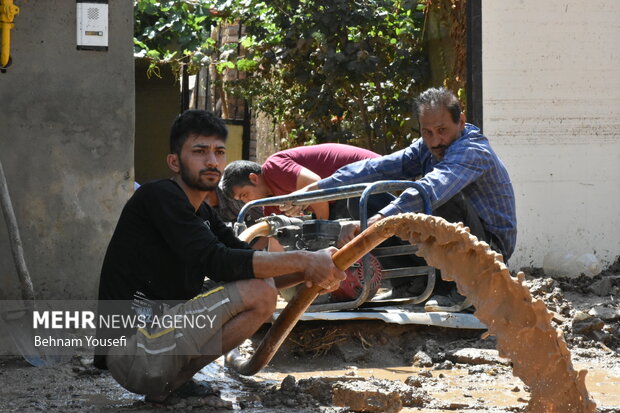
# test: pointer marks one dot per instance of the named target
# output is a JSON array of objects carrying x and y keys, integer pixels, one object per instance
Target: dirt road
[{"x": 368, "y": 365}]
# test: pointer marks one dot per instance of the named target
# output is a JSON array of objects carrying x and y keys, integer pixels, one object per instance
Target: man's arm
[
  {"x": 296, "y": 210},
  {"x": 403, "y": 164},
  {"x": 305, "y": 178},
  {"x": 317, "y": 267},
  {"x": 289, "y": 280},
  {"x": 191, "y": 240},
  {"x": 462, "y": 165},
  {"x": 351, "y": 229}
]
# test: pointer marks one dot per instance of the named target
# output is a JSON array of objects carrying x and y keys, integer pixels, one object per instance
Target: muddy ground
[{"x": 367, "y": 365}]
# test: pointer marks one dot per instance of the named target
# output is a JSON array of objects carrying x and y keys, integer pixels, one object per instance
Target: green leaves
[
  {"x": 358, "y": 61},
  {"x": 333, "y": 70},
  {"x": 224, "y": 65},
  {"x": 170, "y": 31},
  {"x": 246, "y": 65}
]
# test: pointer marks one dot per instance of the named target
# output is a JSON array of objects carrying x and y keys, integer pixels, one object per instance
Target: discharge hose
[{"x": 287, "y": 319}]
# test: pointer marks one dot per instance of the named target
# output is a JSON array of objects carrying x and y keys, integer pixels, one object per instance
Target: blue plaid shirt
[{"x": 469, "y": 165}]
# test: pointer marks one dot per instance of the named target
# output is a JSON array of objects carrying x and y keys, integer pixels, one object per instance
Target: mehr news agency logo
[{"x": 82, "y": 319}]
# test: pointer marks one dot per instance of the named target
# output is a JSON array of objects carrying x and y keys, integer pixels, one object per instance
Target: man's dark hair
[
  {"x": 237, "y": 173},
  {"x": 435, "y": 98},
  {"x": 195, "y": 122}
]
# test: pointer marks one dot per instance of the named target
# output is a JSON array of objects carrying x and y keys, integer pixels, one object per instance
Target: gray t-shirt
[{"x": 228, "y": 209}]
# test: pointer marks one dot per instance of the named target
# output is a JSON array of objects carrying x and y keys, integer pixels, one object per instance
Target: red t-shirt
[{"x": 281, "y": 169}]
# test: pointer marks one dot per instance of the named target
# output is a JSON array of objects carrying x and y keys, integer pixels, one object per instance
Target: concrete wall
[
  {"x": 551, "y": 99},
  {"x": 66, "y": 143}
]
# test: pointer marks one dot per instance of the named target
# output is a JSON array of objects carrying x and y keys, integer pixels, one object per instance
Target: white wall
[{"x": 551, "y": 105}]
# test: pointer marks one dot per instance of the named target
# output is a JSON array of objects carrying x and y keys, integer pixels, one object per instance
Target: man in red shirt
[{"x": 289, "y": 170}]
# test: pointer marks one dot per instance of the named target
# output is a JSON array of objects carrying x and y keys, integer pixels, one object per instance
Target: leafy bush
[
  {"x": 174, "y": 32},
  {"x": 329, "y": 70}
]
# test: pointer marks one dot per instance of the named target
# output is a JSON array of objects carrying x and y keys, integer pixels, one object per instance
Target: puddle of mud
[
  {"x": 105, "y": 402},
  {"x": 453, "y": 385},
  {"x": 603, "y": 384},
  {"x": 492, "y": 386},
  {"x": 234, "y": 388},
  {"x": 384, "y": 351}
]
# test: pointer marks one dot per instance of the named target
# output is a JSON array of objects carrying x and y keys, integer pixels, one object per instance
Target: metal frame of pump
[
  {"x": 8, "y": 11},
  {"x": 363, "y": 190}
]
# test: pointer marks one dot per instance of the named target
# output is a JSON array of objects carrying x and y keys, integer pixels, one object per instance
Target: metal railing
[{"x": 364, "y": 191}]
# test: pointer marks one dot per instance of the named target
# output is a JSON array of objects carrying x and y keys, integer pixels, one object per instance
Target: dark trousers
[
  {"x": 349, "y": 208},
  {"x": 458, "y": 209}
]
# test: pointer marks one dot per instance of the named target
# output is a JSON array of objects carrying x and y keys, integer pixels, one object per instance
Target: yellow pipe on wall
[{"x": 7, "y": 12}]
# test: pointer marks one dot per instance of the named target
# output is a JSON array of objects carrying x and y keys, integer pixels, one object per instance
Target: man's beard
[
  {"x": 195, "y": 182},
  {"x": 442, "y": 149}
]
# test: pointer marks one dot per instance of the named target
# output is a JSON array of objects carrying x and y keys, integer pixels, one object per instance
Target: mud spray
[{"x": 521, "y": 324}]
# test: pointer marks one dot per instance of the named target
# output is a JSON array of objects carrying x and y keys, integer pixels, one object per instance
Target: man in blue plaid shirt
[{"x": 464, "y": 177}]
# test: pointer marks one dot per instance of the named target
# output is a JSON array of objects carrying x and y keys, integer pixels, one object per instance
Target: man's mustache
[{"x": 204, "y": 171}]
